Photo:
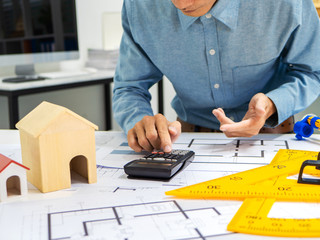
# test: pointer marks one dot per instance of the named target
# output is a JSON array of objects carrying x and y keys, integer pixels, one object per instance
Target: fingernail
[{"x": 167, "y": 148}]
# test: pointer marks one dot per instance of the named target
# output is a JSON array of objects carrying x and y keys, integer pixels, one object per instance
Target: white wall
[
  {"x": 86, "y": 101},
  {"x": 90, "y": 16},
  {"x": 94, "y": 32}
]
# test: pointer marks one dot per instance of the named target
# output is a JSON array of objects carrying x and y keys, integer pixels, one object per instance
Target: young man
[{"x": 236, "y": 66}]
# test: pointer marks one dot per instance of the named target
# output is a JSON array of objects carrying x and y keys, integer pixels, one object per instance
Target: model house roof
[
  {"x": 5, "y": 162},
  {"x": 45, "y": 114}
]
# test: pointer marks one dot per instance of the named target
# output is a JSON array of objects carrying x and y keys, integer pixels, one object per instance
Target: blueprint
[{"x": 120, "y": 208}]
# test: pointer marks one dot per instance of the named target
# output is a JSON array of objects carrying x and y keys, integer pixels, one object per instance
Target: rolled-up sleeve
[
  {"x": 135, "y": 74},
  {"x": 299, "y": 83}
]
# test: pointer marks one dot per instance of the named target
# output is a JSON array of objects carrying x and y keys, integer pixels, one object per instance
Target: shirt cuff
[{"x": 284, "y": 107}]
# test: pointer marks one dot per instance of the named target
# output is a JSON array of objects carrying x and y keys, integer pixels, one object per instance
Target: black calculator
[{"x": 159, "y": 164}]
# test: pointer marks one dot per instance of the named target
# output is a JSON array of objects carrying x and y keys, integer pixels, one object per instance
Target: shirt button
[
  {"x": 216, "y": 86},
  {"x": 208, "y": 15},
  {"x": 212, "y": 52}
]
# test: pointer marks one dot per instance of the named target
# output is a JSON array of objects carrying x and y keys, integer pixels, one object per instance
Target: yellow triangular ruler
[
  {"x": 259, "y": 188},
  {"x": 251, "y": 218},
  {"x": 243, "y": 184}
]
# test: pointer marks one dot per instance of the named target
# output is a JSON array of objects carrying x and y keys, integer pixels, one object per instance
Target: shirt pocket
[{"x": 251, "y": 79}]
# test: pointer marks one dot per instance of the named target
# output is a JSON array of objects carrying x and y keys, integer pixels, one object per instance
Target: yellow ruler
[
  {"x": 252, "y": 218},
  {"x": 245, "y": 184},
  {"x": 267, "y": 182}
]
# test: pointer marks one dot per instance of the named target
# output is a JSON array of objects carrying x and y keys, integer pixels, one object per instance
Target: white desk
[
  {"x": 14, "y": 90},
  {"x": 121, "y": 208}
]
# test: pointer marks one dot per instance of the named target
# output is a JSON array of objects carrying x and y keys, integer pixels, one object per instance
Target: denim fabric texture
[{"x": 221, "y": 59}]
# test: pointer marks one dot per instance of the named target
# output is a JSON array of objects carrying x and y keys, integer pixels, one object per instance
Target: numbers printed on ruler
[
  {"x": 260, "y": 188},
  {"x": 252, "y": 218}
]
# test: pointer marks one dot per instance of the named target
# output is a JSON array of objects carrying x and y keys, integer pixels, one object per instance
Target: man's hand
[
  {"x": 260, "y": 109},
  {"x": 154, "y": 132}
]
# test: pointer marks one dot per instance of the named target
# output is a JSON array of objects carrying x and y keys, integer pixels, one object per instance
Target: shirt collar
[
  {"x": 225, "y": 11},
  {"x": 185, "y": 20}
]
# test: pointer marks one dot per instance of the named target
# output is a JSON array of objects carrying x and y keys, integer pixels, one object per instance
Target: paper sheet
[{"x": 120, "y": 208}]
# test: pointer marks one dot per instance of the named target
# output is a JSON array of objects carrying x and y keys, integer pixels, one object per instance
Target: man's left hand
[{"x": 260, "y": 109}]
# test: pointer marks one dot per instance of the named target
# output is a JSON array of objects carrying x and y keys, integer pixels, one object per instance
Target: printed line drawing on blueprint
[
  {"x": 156, "y": 220},
  {"x": 121, "y": 208},
  {"x": 216, "y": 156},
  {"x": 236, "y": 150},
  {"x": 208, "y": 150}
]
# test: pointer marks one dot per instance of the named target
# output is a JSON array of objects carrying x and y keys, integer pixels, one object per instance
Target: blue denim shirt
[{"x": 221, "y": 59}]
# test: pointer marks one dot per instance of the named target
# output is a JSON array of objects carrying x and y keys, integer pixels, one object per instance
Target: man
[{"x": 236, "y": 65}]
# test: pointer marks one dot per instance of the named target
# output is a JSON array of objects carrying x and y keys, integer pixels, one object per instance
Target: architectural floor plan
[
  {"x": 162, "y": 220},
  {"x": 121, "y": 208}
]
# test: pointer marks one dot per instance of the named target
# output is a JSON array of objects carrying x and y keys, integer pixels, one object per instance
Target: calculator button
[
  {"x": 158, "y": 152},
  {"x": 159, "y": 159},
  {"x": 184, "y": 152}
]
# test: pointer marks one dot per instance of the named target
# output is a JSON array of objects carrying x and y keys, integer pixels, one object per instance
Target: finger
[
  {"x": 221, "y": 116},
  {"x": 237, "y": 127},
  {"x": 133, "y": 141},
  {"x": 218, "y": 113},
  {"x": 264, "y": 106},
  {"x": 143, "y": 142},
  {"x": 260, "y": 107},
  {"x": 174, "y": 130},
  {"x": 245, "y": 128},
  {"x": 163, "y": 132},
  {"x": 151, "y": 132}
]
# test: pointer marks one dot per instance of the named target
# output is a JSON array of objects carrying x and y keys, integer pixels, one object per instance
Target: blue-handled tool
[{"x": 304, "y": 128}]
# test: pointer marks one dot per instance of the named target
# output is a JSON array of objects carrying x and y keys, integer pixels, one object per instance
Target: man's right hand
[{"x": 154, "y": 132}]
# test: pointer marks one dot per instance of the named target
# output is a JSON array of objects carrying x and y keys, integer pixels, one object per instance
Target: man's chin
[{"x": 192, "y": 13}]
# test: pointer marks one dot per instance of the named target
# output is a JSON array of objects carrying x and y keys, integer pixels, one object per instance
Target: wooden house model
[
  {"x": 13, "y": 178},
  {"x": 54, "y": 142}
]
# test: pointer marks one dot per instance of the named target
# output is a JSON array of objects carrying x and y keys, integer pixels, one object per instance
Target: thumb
[{"x": 262, "y": 105}]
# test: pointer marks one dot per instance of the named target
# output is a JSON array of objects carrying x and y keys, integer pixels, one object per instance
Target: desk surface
[
  {"x": 121, "y": 208},
  {"x": 57, "y": 81}
]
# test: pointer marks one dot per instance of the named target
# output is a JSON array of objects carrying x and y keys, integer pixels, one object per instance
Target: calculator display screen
[{"x": 154, "y": 163}]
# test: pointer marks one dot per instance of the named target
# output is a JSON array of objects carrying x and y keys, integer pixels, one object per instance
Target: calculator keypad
[
  {"x": 174, "y": 156},
  {"x": 159, "y": 164}
]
